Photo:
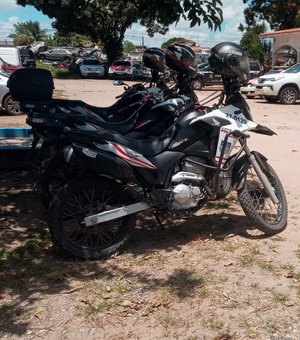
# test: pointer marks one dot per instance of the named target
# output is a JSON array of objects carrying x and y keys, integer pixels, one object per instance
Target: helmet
[
  {"x": 154, "y": 58},
  {"x": 182, "y": 59},
  {"x": 230, "y": 60}
]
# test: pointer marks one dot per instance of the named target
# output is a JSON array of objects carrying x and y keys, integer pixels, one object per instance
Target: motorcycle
[
  {"x": 141, "y": 112},
  {"x": 202, "y": 156}
]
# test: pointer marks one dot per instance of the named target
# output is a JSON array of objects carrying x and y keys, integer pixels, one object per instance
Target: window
[
  {"x": 91, "y": 62},
  {"x": 122, "y": 63}
]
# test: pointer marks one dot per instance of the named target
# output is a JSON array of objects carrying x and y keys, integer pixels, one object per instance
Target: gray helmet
[{"x": 230, "y": 60}]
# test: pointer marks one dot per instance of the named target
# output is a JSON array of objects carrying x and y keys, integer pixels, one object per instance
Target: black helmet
[
  {"x": 154, "y": 58},
  {"x": 182, "y": 59},
  {"x": 230, "y": 60}
]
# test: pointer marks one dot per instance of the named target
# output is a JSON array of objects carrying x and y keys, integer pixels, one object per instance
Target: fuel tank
[{"x": 192, "y": 139}]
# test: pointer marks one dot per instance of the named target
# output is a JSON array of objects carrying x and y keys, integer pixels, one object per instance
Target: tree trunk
[
  {"x": 114, "y": 47},
  {"x": 113, "y": 50}
]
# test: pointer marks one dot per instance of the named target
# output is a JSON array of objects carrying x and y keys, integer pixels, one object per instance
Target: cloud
[
  {"x": 8, "y": 5},
  {"x": 233, "y": 13},
  {"x": 7, "y": 27}
]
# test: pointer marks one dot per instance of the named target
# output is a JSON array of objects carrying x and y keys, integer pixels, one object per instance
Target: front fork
[{"x": 264, "y": 179}]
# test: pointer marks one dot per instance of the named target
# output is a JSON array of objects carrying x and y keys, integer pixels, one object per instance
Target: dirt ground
[{"x": 208, "y": 276}]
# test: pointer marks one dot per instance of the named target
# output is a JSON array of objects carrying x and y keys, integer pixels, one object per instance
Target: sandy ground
[{"x": 201, "y": 278}]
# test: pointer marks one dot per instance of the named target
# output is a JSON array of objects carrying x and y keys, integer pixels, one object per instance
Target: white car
[
  {"x": 122, "y": 69},
  {"x": 91, "y": 67},
  {"x": 250, "y": 90},
  {"x": 283, "y": 86},
  {"x": 6, "y": 102}
]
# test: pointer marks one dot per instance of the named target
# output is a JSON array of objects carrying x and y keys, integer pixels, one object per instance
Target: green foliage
[
  {"x": 128, "y": 46},
  {"x": 61, "y": 73},
  {"x": 252, "y": 43},
  {"x": 178, "y": 40},
  {"x": 108, "y": 20},
  {"x": 27, "y": 32},
  {"x": 279, "y": 14}
]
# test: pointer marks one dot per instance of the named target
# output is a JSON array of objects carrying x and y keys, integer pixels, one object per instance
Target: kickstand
[{"x": 159, "y": 222}]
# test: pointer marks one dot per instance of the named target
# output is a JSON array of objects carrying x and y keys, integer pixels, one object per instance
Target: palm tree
[{"x": 27, "y": 32}]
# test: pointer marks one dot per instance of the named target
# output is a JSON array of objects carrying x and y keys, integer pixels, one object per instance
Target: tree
[
  {"x": 251, "y": 41},
  {"x": 282, "y": 14},
  {"x": 178, "y": 41},
  {"x": 128, "y": 46},
  {"x": 27, "y": 32},
  {"x": 108, "y": 20}
]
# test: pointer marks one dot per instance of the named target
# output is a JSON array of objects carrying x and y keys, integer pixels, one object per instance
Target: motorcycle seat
[
  {"x": 121, "y": 127},
  {"x": 146, "y": 147}
]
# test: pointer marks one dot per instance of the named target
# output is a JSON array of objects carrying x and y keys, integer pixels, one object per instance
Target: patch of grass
[
  {"x": 254, "y": 285},
  {"x": 277, "y": 238},
  {"x": 271, "y": 326},
  {"x": 281, "y": 297},
  {"x": 166, "y": 320},
  {"x": 249, "y": 259},
  {"x": 290, "y": 267},
  {"x": 296, "y": 276},
  {"x": 93, "y": 308},
  {"x": 221, "y": 205},
  {"x": 250, "y": 330},
  {"x": 214, "y": 323},
  {"x": 123, "y": 287},
  {"x": 61, "y": 73},
  {"x": 267, "y": 266}
]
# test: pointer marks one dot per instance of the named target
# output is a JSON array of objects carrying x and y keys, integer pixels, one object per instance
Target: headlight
[{"x": 275, "y": 78}]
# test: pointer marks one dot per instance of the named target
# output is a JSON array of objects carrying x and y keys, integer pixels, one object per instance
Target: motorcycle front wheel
[
  {"x": 268, "y": 217},
  {"x": 77, "y": 200}
]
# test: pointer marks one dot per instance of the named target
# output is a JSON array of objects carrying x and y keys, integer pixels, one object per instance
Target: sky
[{"x": 10, "y": 14}]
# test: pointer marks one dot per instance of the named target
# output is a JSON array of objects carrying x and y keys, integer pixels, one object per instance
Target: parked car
[
  {"x": 11, "y": 55},
  {"x": 122, "y": 69},
  {"x": 37, "y": 47},
  {"x": 27, "y": 57},
  {"x": 206, "y": 77},
  {"x": 255, "y": 69},
  {"x": 139, "y": 70},
  {"x": 7, "y": 104},
  {"x": 91, "y": 67},
  {"x": 8, "y": 68},
  {"x": 250, "y": 90},
  {"x": 58, "y": 54},
  {"x": 147, "y": 75},
  {"x": 283, "y": 86}
]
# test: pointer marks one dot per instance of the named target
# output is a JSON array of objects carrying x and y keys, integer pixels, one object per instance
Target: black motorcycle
[
  {"x": 202, "y": 156},
  {"x": 140, "y": 113}
]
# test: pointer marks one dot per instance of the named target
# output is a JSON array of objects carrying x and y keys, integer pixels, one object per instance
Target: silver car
[
  {"x": 91, "y": 67},
  {"x": 7, "y": 104}
]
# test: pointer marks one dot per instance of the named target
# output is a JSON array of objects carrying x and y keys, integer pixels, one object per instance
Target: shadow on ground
[{"x": 31, "y": 268}]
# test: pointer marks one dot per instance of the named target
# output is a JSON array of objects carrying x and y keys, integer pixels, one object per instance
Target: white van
[{"x": 11, "y": 55}]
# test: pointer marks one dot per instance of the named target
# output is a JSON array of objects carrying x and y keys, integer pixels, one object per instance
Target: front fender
[{"x": 241, "y": 167}]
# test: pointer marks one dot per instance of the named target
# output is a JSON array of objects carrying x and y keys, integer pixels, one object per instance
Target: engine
[{"x": 188, "y": 190}]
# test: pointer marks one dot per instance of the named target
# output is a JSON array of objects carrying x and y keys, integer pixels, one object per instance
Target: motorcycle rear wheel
[
  {"x": 268, "y": 217},
  {"x": 74, "y": 202},
  {"x": 54, "y": 174}
]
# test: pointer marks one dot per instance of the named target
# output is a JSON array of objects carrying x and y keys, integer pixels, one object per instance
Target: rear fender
[
  {"x": 240, "y": 169},
  {"x": 102, "y": 162}
]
